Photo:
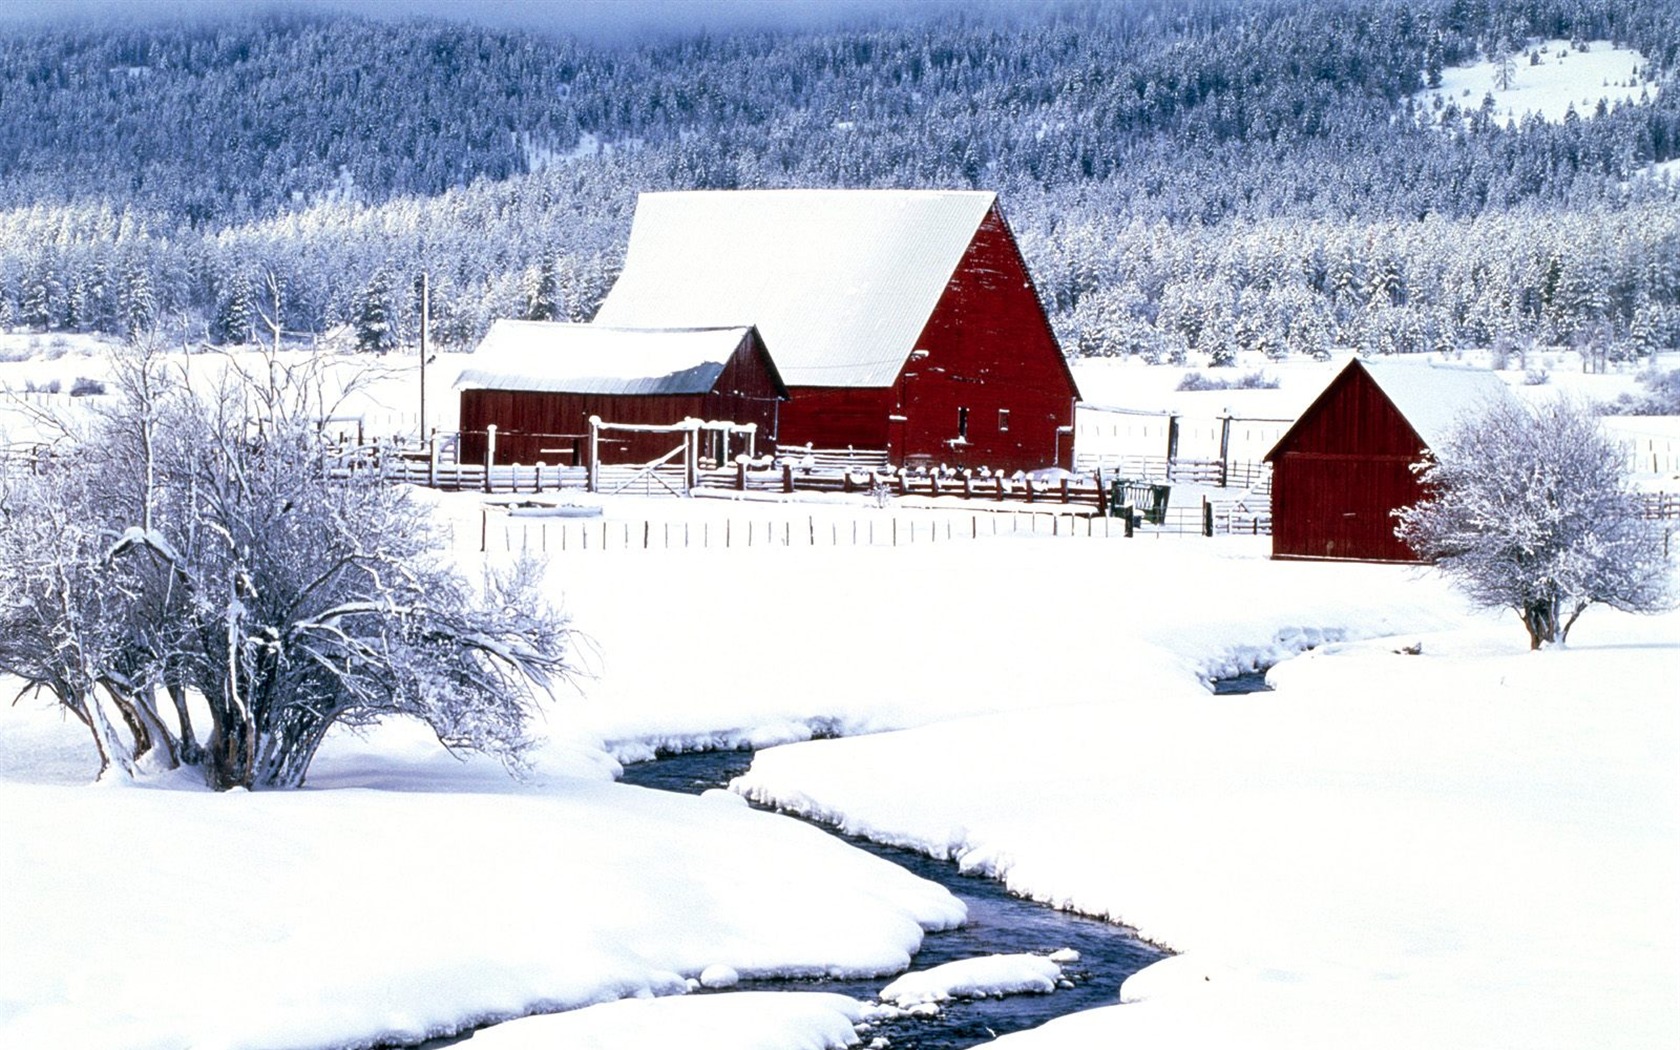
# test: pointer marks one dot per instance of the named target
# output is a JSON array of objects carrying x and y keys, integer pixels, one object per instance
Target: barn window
[
  {"x": 962, "y": 423},
  {"x": 1003, "y": 420}
]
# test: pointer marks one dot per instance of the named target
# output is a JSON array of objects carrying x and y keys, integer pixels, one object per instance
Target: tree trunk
[
  {"x": 1541, "y": 617},
  {"x": 139, "y": 711},
  {"x": 191, "y": 753}
]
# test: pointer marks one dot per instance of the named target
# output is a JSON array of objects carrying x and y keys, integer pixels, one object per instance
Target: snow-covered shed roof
[
  {"x": 554, "y": 357},
  {"x": 1434, "y": 398},
  {"x": 839, "y": 282}
]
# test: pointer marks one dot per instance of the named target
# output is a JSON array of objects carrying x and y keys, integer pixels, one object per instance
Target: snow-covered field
[
  {"x": 1563, "y": 77},
  {"x": 1471, "y": 846}
]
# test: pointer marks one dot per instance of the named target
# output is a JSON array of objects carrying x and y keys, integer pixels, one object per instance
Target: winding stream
[{"x": 997, "y": 923}]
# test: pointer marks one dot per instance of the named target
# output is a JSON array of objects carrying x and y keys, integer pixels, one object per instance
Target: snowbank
[
  {"x": 739, "y": 1021},
  {"x": 1471, "y": 847},
  {"x": 154, "y": 918},
  {"x": 990, "y": 975}
]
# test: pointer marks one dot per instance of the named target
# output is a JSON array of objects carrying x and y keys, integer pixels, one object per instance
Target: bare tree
[
  {"x": 202, "y": 545},
  {"x": 1530, "y": 510}
]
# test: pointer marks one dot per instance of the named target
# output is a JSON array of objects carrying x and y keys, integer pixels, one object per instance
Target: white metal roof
[
  {"x": 839, "y": 282},
  {"x": 1435, "y": 398},
  {"x": 595, "y": 359}
]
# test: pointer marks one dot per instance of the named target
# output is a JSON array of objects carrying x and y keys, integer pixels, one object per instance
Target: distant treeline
[{"x": 1184, "y": 176}]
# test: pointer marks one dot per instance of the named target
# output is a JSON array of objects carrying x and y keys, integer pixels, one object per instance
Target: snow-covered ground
[
  {"x": 1468, "y": 847},
  {"x": 1474, "y": 846},
  {"x": 1562, "y": 77}
]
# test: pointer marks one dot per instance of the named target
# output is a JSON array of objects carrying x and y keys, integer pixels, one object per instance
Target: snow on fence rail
[{"x": 551, "y": 536}]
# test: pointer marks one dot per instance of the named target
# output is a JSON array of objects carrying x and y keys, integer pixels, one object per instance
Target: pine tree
[
  {"x": 373, "y": 320},
  {"x": 541, "y": 286},
  {"x": 136, "y": 305},
  {"x": 236, "y": 316}
]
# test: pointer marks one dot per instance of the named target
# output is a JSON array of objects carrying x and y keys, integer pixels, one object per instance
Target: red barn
[
  {"x": 539, "y": 382},
  {"x": 1341, "y": 470},
  {"x": 902, "y": 320}
]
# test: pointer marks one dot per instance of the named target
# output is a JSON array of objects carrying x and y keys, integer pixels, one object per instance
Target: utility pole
[{"x": 425, "y": 324}]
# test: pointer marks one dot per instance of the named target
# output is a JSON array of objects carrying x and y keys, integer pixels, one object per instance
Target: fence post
[
  {"x": 489, "y": 453},
  {"x": 1102, "y": 494},
  {"x": 593, "y": 463},
  {"x": 1129, "y": 517},
  {"x": 741, "y": 476},
  {"x": 787, "y": 477},
  {"x": 1207, "y": 517},
  {"x": 432, "y": 462},
  {"x": 484, "y": 530},
  {"x": 1224, "y": 448}
]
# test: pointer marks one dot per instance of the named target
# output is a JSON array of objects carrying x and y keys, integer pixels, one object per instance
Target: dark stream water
[{"x": 997, "y": 924}]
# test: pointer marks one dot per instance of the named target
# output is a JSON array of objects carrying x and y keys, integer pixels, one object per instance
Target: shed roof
[
  {"x": 1432, "y": 398},
  {"x": 839, "y": 282},
  {"x": 1435, "y": 398},
  {"x": 554, "y": 357}
]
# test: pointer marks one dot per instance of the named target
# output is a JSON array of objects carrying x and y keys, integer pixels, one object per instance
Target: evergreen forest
[{"x": 1185, "y": 176}]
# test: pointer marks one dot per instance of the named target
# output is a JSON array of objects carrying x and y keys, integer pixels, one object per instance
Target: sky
[{"x": 596, "y": 19}]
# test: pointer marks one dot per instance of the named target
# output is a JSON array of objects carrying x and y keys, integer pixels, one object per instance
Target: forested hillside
[{"x": 1184, "y": 176}]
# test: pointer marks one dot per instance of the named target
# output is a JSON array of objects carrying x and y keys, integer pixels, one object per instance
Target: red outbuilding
[
  {"x": 1345, "y": 466},
  {"x": 539, "y": 382},
  {"x": 902, "y": 320}
]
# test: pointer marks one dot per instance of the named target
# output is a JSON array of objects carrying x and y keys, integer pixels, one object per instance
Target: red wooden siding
[
  {"x": 989, "y": 350},
  {"x": 1340, "y": 472},
  {"x": 838, "y": 417},
  {"x": 533, "y": 426}
]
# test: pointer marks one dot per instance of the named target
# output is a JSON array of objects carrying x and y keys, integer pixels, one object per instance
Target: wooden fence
[
  {"x": 1661, "y": 506},
  {"x": 539, "y": 535}
]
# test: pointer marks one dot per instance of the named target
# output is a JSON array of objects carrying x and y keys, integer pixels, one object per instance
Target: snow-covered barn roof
[
  {"x": 1434, "y": 398},
  {"x": 553, "y": 357},
  {"x": 839, "y": 282}
]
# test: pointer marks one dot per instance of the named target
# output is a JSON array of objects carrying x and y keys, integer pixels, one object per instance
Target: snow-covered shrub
[
  {"x": 1531, "y": 511},
  {"x": 1661, "y": 397},
  {"x": 196, "y": 542},
  {"x": 1257, "y": 380}
]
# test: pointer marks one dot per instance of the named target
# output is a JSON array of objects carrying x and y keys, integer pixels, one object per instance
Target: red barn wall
[
  {"x": 533, "y": 426},
  {"x": 838, "y": 417},
  {"x": 1341, "y": 472},
  {"x": 989, "y": 350}
]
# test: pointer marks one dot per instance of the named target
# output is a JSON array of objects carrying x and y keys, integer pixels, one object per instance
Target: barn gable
[
  {"x": 901, "y": 320},
  {"x": 839, "y": 282},
  {"x": 1346, "y": 464}
]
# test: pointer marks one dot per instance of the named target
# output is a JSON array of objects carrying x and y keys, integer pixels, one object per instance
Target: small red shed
[
  {"x": 1345, "y": 466},
  {"x": 902, "y": 320},
  {"x": 539, "y": 382}
]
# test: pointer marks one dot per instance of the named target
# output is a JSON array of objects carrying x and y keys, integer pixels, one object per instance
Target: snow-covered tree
[
  {"x": 375, "y": 315},
  {"x": 1530, "y": 510},
  {"x": 198, "y": 543},
  {"x": 236, "y": 311}
]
